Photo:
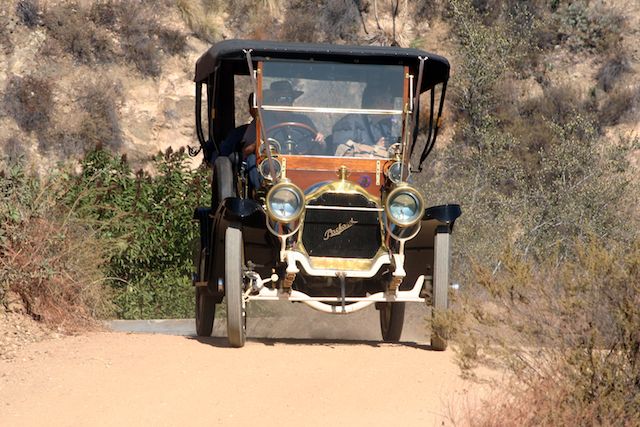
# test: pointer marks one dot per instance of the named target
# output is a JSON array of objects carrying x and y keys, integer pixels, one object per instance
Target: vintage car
[{"x": 313, "y": 200}]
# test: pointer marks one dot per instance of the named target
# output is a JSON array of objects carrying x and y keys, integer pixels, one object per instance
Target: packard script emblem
[{"x": 341, "y": 228}]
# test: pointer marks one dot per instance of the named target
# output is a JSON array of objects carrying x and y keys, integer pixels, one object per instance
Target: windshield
[{"x": 328, "y": 109}]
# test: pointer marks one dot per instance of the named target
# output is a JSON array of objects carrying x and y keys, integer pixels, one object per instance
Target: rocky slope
[{"x": 119, "y": 73}]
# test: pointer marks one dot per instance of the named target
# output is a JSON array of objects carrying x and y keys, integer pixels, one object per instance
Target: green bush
[
  {"x": 104, "y": 242},
  {"x": 148, "y": 217}
]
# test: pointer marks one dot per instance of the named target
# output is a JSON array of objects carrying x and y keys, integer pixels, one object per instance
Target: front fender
[{"x": 247, "y": 212}]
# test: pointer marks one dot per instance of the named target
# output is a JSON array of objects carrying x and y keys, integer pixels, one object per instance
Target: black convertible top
[{"x": 436, "y": 68}]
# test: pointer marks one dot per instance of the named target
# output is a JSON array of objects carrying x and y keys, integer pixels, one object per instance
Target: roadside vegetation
[
  {"x": 547, "y": 249},
  {"x": 106, "y": 242}
]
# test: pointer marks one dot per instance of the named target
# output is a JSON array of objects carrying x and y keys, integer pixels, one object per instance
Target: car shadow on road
[{"x": 222, "y": 342}]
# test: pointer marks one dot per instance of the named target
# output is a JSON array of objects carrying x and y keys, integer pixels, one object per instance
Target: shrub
[
  {"x": 341, "y": 21},
  {"x": 612, "y": 70},
  {"x": 149, "y": 215},
  {"x": 105, "y": 13},
  {"x": 29, "y": 101},
  {"x": 50, "y": 257},
  {"x": 593, "y": 29},
  {"x": 301, "y": 22},
  {"x": 69, "y": 25},
  {"x": 6, "y": 44},
  {"x": 567, "y": 332},
  {"x": 28, "y": 12},
  {"x": 142, "y": 38},
  {"x": 202, "y": 16},
  {"x": 172, "y": 41},
  {"x": 88, "y": 34},
  {"x": 618, "y": 104},
  {"x": 101, "y": 101},
  {"x": 536, "y": 169}
]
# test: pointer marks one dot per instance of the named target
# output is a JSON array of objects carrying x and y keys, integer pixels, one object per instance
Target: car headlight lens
[
  {"x": 285, "y": 202},
  {"x": 265, "y": 170},
  {"x": 404, "y": 206},
  {"x": 395, "y": 170}
]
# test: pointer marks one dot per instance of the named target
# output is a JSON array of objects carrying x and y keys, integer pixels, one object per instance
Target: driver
[
  {"x": 281, "y": 93},
  {"x": 357, "y": 135}
]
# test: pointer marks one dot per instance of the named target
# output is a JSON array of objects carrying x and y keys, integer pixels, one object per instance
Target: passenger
[
  {"x": 242, "y": 136},
  {"x": 243, "y": 139},
  {"x": 362, "y": 135}
]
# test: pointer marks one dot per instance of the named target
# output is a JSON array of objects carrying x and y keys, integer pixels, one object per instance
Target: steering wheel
[{"x": 293, "y": 137}]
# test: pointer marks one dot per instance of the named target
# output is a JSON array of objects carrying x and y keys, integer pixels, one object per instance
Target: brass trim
[
  {"x": 404, "y": 188},
  {"x": 341, "y": 187},
  {"x": 342, "y": 172},
  {"x": 344, "y": 264},
  {"x": 265, "y": 162},
  {"x": 289, "y": 185}
]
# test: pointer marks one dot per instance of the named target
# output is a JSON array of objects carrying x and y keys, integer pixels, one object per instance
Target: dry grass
[
  {"x": 203, "y": 18},
  {"x": 567, "y": 332},
  {"x": 50, "y": 258}
]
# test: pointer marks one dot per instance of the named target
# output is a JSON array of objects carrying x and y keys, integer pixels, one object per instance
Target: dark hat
[{"x": 281, "y": 88}]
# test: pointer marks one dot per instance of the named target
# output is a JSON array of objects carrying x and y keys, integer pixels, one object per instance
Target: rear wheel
[
  {"x": 233, "y": 285},
  {"x": 391, "y": 320},
  {"x": 205, "y": 312},
  {"x": 205, "y": 303},
  {"x": 439, "y": 328}
]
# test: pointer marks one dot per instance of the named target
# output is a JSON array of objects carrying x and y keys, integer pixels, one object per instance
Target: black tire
[
  {"x": 391, "y": 320},
  {"x": 439, "y": 333},
  {"x": 205, "y": 303},
  {"x": 440, "y": 296},
  {"x": 205, "y": 312},
  {"x": 222, "y": 184},
  {"x": 233, "y": 286}
]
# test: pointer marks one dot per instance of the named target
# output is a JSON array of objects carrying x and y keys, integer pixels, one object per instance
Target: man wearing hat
[{"x": 282, "y": 93}]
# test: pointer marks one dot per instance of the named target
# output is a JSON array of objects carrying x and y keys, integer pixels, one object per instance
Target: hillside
[{"x": 119, "y": 73}]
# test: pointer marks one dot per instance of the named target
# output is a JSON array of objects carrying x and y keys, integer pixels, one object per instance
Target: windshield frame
[{"x": 404, "y": 114}]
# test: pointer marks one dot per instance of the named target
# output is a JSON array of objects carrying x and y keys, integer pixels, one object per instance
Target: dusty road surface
[{"x": 119, "y": 378}]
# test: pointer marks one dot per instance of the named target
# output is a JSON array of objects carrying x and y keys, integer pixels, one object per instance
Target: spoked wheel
[
  {"x": 391, "y": 320},
  {"x": 205, "y": 303},
  {"x": 233, "y": 285}
]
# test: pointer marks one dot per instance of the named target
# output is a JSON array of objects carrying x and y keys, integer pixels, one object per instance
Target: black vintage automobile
[{"x": 312, "y": 201}]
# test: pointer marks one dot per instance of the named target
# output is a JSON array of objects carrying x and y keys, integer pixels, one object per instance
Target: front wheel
[
  {"x": 391, "y": 320},
  {"x": 233, "y": 285}
]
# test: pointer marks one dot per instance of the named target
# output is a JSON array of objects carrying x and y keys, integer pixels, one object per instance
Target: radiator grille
[{"x": 341, "y": 233}]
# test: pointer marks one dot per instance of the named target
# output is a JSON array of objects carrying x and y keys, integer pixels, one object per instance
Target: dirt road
[{"x": 116, "y": 378}]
